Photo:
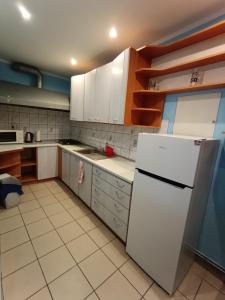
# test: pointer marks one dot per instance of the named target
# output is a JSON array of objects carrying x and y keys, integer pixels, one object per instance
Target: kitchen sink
[{"x": 92, "y": 153}]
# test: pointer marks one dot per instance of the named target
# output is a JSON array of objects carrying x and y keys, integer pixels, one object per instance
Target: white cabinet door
[
  {"x": 77, "y": 98},
  {"x": 66, "y": 167},
  {"x": 47, "y": 162},
  {"x": 85, "y": 187},
  {"x": 74, "y": 172},
  {"x": 118, "y": 89},
  {"x": 102, "y": 93},
  {"x": 89, "y": 96}
]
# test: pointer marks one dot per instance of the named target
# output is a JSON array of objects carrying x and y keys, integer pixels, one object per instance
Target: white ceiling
[{"x": 60, "y": 29}]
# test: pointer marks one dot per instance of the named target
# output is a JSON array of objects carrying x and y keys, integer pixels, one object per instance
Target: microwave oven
[{"x": 11, "y": 136}]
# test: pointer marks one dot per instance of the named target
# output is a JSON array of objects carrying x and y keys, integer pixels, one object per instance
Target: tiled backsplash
[
  {"x": 122, "y": 138},
  {"x": 52, "y": 124}
]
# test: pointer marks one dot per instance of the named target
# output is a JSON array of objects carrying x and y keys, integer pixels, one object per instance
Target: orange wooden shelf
[
  {"x": 28, "y": 163},
  {"x": 151, "y": 72},
  {"x": 145, "y": 109},
  {"x": 28, "y": 178},
  {"x": 10, "y": 165},
  {"x": 152, "y": 51},
  {"x": 182, "y": 89}
]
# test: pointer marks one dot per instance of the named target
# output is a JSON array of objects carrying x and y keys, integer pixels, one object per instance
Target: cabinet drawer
[
  {"x": 120, "y": 184},
  {"x": 111, "y": 204},
  {"x": 98, "y": 208},
  {"x": 119, "y": 196},
  {"x": 115, "y": 181},
  {"x": 116, "y": 225},
  {"x": 103, "y": 185}
]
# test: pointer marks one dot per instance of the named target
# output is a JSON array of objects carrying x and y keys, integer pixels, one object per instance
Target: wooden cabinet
[
  {"x": 84, "y": 188},
  {"x": 77, "y": 98},
  {"x": 89, "y": 96},
  {"x": 47, "y": 158},
  {"x": 118, "y": 88},
  {"x": 66, "y": 167},
  {"x": 102, "y": 93}
]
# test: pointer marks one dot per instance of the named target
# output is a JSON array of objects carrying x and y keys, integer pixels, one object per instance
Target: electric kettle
[{"x": 29, "y": 136}]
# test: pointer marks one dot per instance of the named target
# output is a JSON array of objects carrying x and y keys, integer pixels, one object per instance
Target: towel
[{"x": 81, "y": 172}]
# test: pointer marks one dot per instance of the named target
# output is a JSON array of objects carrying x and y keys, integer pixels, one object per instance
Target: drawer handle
[
  {"x": 97, "y": 181},
  {"x": 121, "y": 186},
  {"x": 116, "y": 223},
  {"x": 118, "y": 195},
  {"x": 97, "y": 192},
  {"x": 117, "y": 207}
]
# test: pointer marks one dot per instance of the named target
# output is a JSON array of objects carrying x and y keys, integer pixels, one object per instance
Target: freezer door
[
  {"x": 170, "y": 157},
  {"x": 156, "y": 227}
]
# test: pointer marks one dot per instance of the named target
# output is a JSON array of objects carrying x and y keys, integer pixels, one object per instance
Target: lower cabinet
[
  {"x": 111, "y": 201},
  {"x": 70, "y": 176},
  {"x": 47, "y": 158}
]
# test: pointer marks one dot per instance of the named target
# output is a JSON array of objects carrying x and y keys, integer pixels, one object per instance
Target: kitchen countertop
[{"x": 119, "y": 166}]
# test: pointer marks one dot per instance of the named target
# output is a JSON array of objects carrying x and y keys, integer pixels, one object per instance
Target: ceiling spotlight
[
  {"x": 73, "y": 61},
  {"x": 24, "y": 12},
  {"x": 113, "y": 33}
]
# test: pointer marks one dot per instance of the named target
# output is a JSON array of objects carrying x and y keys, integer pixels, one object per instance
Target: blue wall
[
  {"x": 52, "y": 83},
  {"x": 212, "y": 242}
]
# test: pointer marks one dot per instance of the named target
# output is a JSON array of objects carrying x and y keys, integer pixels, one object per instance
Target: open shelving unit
[
  {"x": 10, "y": 162},
  {"x": 144, "y": 106},
  {"x": 28, "y": 165}
]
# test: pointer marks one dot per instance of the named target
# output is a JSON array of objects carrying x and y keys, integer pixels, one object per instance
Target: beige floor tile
[
  {"x": 89, "y": 222},
  {"x": 61, "y": 219},
  {"x": 70, "y": 231},
  {"x": 33, "y": 216},
  {"x": 140, "y": 280},
  {"x": 156, "y": 293},
  {"x": 78, "y": 212},
  {"x": 39, "y": 228},
  {"x": 7, "y": 213},
  {"x": 190, "y": 285},
  {"x": 55, "y": 189},
  {"x": 16, "y": 258},
  {"x": 23, "y": 283},
  {"x": 28, "y": 206},
  {"x": 70, "y": 286},
  {"x": 37, "y": 186},
  {"x": 61, "y": 196},
  {"x": 101, "y": 235},
  {"x": 53, "y": 209},
  {"x": 56, "y": 263},
  {"x": 97, "y": 268},
  {"x": 117, "y": 287},
  {"x": 13, "y": 238},
  {"x": 26, "y": 189},
  {"x": 92, "y": 297},
  {"x": 68, "y": 203},
  {"x": 82, "y": 247},
  {"x": 44, "y": 201},
  {"x": 208, "y": 292},
  {"x": 198, "y": 269},
  {"x": 46, "y": 243},
  {"x": 42, "y": 295},
  {"x": 115, "y": 251},
  {"x": 27, "y": 197},
  {"x": 10, "y": 224},
  {"x": 42, "y": 193},
  {"x": 215, "y": 278}
]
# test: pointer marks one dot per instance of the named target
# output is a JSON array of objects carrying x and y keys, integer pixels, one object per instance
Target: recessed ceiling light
[
  {"x": 73, "y": 61},
  {"x": 113, "y": 33},
  {"x": 24, "y": 12}
]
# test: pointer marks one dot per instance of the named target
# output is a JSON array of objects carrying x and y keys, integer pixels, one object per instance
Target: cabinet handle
[
  {"x": 97, "y": 192},
  {"x": 121, "y": 186},
  {"x": 117, "y": 207},
  {"x": 97, "y": 181},
  {"x": 118, "y": 195}
]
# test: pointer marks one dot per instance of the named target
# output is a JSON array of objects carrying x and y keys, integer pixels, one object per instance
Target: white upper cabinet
[
  {"x": 89, "y": 96},
  {"x": 77, "y": 98},
  {"x": 102, "y": 93},
  {"x": 118, "y": 89}
]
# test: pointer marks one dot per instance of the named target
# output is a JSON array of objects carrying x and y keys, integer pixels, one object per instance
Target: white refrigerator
[{"x": 171, "y": 186}]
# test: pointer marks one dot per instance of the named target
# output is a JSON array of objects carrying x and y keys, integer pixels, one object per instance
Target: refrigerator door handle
[{"x": 171, "y": 182}]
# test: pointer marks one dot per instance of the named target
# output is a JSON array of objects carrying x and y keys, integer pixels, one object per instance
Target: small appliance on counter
[
  {"x": 68, "y": 142},
  {"x": 109, "y": 151},
  {"x": 11, "y": 136},
  {"x": 29, "y": 137},
  {"x": 38, "y": 136}
]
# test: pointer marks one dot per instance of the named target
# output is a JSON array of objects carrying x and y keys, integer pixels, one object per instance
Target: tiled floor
[{"x": 53, "y": 247}]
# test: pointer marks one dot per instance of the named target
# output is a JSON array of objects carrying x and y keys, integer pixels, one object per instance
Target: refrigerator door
[
  {"x": 156, "y": 227},
  {"x": 170, "y": 157}
]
